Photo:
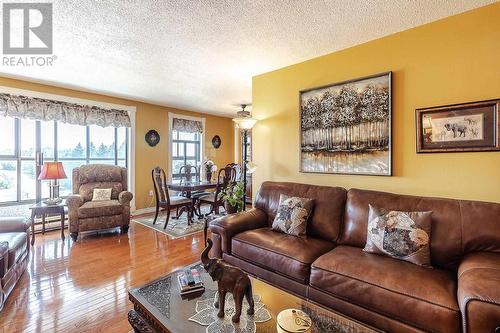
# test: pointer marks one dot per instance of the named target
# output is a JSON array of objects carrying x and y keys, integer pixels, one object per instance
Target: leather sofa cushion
[
  {"x": 288, "y": 255},
  {"x": 326, "y": 218},
  {"x": 100, "y": 208},
  {"x": 18, "y": 242},
  {"x": 419, "y": 296}
]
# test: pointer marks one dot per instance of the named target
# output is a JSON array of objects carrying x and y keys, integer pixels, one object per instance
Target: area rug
[{"x": 176, "y": 228}]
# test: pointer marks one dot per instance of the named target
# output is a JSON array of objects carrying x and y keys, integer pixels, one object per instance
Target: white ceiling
[{"x": 201, "y": 55}]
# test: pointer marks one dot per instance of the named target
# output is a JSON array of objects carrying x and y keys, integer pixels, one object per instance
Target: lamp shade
[
  {"x": 52, "y": 170},
  {"x": 251, "y": 167},
  {"x": 245, "y": 123}
]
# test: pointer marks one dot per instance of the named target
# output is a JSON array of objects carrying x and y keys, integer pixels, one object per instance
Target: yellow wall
[
  {"x": 453, "y": 60},
  {"x": 148, "y": 117}
]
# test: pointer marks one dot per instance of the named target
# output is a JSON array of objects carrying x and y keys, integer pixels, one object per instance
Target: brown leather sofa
[
  {"x": 14, "y": 253},
  {"x": 460, "y": 293},
  {"x": 87, "y": 215}
]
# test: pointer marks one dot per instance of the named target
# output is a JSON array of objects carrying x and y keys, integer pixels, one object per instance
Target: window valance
[
  {"x": 42, "y": 109},
  {"x": 186, "y": 125}
]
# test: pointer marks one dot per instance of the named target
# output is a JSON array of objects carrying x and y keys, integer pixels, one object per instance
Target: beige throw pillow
[
  {"x": 292, "y": 215},
  {"x": 101, "y": 194},
  {"x": 400, "y": 235}
]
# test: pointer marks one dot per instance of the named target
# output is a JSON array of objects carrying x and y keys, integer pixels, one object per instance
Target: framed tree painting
[
  {"x": 345, "y": 127},
  {"x": 459, "y": 128}
]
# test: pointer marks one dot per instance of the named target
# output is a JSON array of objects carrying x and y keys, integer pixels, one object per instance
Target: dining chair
[
  {"x": 188, "y": 171},
  {"x": 225, "y": 177},
  {"x": 163, "y": 198},
  {"x": 237, "y": 171}
]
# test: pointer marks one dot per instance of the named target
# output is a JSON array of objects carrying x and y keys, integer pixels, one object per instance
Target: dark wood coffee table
[{"x": 158, "y": 307}]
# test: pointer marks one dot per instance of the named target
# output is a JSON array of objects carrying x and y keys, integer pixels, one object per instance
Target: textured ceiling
[{"x": 201, "y": 55}]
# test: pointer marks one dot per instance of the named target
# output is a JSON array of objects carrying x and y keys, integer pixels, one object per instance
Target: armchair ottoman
[{"x": 87, "y": 215}]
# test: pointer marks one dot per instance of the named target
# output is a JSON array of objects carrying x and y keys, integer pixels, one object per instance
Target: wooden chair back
[
  {"x": 160, "y": 186},
  {"x": 187, "y": 171},
  {"x": 237, "y": 171},
  {"x": 225, "y": 177}
]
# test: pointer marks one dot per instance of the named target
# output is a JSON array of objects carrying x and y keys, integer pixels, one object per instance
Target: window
[
  {"x": 8, "y": 161},
  {"x": 185, "y": 150},
  {"x": 186, "y": 142},
  {"x": 22, "y": 140}
]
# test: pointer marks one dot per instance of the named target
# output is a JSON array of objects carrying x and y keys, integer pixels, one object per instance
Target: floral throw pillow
[
  {"x": 101, "y": 194},
  {"x": 292, "y": 215},
  {"x": 401, "y": 235}
]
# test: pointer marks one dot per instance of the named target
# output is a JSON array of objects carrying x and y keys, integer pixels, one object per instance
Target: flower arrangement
[
  {"x": 210, "y": 167},
  {"x": 233, "y": 197}
]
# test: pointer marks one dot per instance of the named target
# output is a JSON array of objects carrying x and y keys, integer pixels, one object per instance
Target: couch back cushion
[
  {"x": 87, "y": 190},
  {"x": 458, "y": 226},
  {"x": 88, "y": 177},
  {"x": 325, "y": 220}
]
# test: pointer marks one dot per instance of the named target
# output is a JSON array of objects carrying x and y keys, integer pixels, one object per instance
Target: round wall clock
[
  {"x": 152, "y": 138},
  {"x": 216, "y": 141}
]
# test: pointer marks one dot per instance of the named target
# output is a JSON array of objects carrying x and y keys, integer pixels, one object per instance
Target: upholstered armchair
[{"x": 87, "y": 215}]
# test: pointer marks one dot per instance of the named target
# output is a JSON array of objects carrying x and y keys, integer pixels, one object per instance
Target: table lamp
[{"x": 53, "y": 171}]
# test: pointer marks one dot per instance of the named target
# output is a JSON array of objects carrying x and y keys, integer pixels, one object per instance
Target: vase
[
  {"x": 230, "y": 209},
  {"x": 209, "y": 176}
]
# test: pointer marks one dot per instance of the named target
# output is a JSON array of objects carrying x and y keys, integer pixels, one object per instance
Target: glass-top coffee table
[{"x": 159, "y": 307}]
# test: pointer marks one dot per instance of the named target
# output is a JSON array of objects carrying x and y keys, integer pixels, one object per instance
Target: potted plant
[
  {"x": 210, "y": 167},
  {"x": 233, "y": 197}
]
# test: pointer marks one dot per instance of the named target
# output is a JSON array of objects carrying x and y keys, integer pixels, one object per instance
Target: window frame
[
  {"x": 18, "y": 158},
  {"x": 185, "y": 157},
  {"x": 200, "y": 143}
]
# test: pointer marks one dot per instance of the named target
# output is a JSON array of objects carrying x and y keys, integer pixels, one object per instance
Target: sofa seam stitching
[
  {"x": 397, "y": 292},
  {"x": 272, "y": 270},
  {"x": 264, "y": 248},
  {"x": 474, "y": 298},
  {"x": 477, "y": 268},
  {"x": 378, "y": 311}
]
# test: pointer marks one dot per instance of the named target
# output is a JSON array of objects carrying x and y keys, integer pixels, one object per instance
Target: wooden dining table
[
  {"x": 188, "y": 187},
  {"x": 191, "y": 186}
]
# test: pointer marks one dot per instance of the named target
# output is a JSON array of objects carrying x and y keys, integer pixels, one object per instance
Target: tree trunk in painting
[{"x": 349, "y": 120}]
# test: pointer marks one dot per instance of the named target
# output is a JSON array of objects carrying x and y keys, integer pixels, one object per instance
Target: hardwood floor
[{"x": 82, "y": 286}]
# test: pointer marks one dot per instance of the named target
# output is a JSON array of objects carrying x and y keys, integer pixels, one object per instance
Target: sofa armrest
[
  {"x": 74, "y": 201},
  {"x": 4, "y": 257},
  {"x": 14, "y": 224},
  {"x": 125, "y": 197},
  {"x": 479, "y": 292},
  {"x": 230, "y": 225}
]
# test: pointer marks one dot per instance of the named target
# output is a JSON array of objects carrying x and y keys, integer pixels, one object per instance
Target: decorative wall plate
[
  {"x": 216, "y": 141},
  {"x": 152, "y": 138}
]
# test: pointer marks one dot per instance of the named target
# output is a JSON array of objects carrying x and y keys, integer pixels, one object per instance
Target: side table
[{"x": 41, "y": 209}]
